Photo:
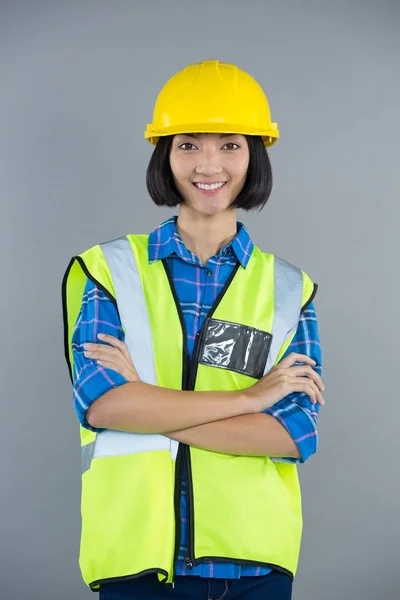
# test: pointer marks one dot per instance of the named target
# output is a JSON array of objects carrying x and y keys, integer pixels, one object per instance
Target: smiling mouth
[{"x": 209, "y": 187}]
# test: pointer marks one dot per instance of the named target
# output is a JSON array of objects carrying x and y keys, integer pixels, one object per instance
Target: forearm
[
  {"x": 247, "y": 435},
  {"x": 143, "y": 408}
]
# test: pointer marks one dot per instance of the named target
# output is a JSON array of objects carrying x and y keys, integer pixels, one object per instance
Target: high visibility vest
[{"x": 241, "y": 509}]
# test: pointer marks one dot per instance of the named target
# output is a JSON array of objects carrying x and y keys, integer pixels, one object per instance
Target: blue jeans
[{"x": 274, "y": 586}]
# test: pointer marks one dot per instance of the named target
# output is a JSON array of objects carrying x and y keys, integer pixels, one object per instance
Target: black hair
[{"x": 254, "y": 194}]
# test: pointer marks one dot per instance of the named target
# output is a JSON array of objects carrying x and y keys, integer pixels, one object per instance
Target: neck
[{"x": 205, "y": 235}]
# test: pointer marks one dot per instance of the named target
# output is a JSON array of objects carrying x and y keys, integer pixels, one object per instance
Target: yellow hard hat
[{"x": 212, "y": 97}]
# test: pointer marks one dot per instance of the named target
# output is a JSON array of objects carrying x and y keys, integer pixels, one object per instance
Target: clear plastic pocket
[{"x": 235, "y": 347}]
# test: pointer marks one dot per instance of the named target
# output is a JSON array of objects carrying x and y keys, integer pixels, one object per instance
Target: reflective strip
[
  {"x": 87, "y": 452},
  {"x": 132, "y": 306},
  {"x": 122, "y": 443},
  {"x": 174, "y": 448},
  {"x": 288, "y": 281},
  {"x": 119, "y": 443},
  {"x": 138, "y": 338}
]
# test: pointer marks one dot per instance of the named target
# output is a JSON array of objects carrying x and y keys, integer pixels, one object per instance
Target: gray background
[{"x": 78, "y": 83}]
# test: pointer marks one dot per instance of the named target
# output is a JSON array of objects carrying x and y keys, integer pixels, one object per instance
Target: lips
[{"x": 212, "y": 186}]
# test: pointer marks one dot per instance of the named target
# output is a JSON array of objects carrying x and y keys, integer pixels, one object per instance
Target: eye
[
  {"x": 181, "y": 146},
  {"x": 231, "y": 144}
]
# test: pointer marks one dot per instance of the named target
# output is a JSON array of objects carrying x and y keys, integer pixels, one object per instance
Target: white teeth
[{"x": 213, "y": 186}]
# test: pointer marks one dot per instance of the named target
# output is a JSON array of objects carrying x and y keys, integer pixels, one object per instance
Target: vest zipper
[
  {"x": 189, "y": 558},
  {"x": 196, "y": 351},
  {"x": 178, "y": 469},
  {"x": 189, "y": 375},
  {"x": 190, "y": 383}
]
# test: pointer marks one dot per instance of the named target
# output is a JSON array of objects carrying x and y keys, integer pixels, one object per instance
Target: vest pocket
[{"x": 235, "y": 347}]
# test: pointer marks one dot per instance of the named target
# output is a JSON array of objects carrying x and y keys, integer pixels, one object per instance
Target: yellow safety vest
[{"x": 241, "y": 509}]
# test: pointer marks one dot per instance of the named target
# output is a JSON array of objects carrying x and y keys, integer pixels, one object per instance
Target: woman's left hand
[{"x": 115, "y": 355}]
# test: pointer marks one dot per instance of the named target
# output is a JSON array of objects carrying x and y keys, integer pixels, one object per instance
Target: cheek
[
  {"x": 180, "y": 168},
  {"x": 174, "y": 164},
  {"x": 240, "y": 168}
]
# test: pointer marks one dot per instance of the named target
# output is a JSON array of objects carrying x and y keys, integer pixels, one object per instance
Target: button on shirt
[{"x": 197, "y": 287}]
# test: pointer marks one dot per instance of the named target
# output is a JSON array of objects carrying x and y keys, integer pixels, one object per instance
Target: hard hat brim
[{"x": 269, "y": 136}]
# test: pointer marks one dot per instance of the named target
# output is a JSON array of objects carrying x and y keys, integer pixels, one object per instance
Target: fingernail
[
  {"x": 100, "y": 336},
  {"x": 88, "y": 354},
  {"x": 87, "y": 346}
]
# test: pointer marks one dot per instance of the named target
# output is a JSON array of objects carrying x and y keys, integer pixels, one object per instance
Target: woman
[{"x": 196, "y": 364}]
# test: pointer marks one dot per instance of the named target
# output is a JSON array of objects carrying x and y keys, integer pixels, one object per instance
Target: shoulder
[
  {"x": 113, "y": 242},
  {"x": 285, "y": 266},
  {"x": 289, "y": 277}
]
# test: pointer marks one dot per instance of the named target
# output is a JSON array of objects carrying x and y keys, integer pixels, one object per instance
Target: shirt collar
[{"x": 165, "y": 241}]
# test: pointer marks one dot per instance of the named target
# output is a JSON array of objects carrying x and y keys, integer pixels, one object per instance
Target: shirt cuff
[
  {"x": 298, "y": 416},
  {"x": 93, "y": 382}
]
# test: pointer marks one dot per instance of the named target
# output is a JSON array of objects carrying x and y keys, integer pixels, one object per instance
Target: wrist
[{"x": 247, "y": 402}]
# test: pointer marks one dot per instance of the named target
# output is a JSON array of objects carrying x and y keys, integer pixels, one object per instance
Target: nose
[{"x": 209, "y": 163}]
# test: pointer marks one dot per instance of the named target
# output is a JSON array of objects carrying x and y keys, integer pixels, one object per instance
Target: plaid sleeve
[
  {"x": 296, "y": 412},
  {"x": 97, "y": 315}
]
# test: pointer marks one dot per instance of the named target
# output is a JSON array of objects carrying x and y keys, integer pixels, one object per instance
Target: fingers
[
  {"x": 129, "y": 375},
  {"x": 308, "y": 387},
  {"x": 116, "y": 343},
  {"x": 109, "y": 365},
  {"x": 293, "y": 358},
  {"x": 307, "y": 371},
  {"x": 112, "y": 357},
  {"x": 102, "y": 352},
  {"x": 113, "y": 346}
]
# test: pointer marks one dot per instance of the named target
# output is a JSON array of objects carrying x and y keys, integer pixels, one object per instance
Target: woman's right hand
[{"x": 285, "y": 379}]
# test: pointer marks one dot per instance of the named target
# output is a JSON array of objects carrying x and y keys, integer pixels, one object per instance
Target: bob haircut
[{"x": 254, "y": 194}]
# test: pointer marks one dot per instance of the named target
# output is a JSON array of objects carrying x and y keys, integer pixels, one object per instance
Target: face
[{"x": 209, "y": 169}]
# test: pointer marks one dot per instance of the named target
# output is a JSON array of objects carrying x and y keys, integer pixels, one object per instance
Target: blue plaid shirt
[{"x": 197, "y": 287}]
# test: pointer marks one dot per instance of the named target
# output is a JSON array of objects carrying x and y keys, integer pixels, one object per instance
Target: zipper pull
[{"x": 188, "y": 562}]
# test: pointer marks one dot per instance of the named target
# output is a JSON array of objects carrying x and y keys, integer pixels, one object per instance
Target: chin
[{"x": 208, "y": 208}]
